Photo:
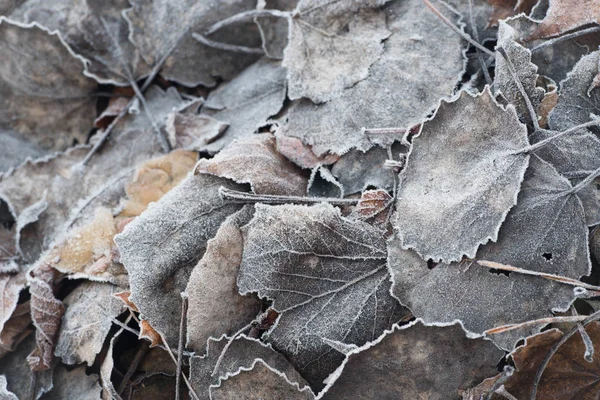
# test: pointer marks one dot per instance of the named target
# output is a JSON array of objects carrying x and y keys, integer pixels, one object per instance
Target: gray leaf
[
  {"x": 43, "y": 92},
  {"x": 15, "y": 149},
  {"x": 163, "y": 29},
  {"x": 4, "y": 392},
  {"x": 160, "y": 248},
  {"x": 414, "y": 362},
  {"x": 241, "y": 355},
  {"x": 215, "y": 306},
  {"x": 331, "y": 46},
  {"x": 247, "y": 102},
  {"x": 402, "y": 88},
  {"x": 461, "y": 178},
  {"x": 73, "y": 384},
  {"x": 86, "y": 322},
  {"x": 326, "y": 276}
]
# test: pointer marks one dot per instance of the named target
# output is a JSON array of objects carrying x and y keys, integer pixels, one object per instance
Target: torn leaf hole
[
  {"x": 547, "y": 256},
  {"x": 431, "y": 264}
]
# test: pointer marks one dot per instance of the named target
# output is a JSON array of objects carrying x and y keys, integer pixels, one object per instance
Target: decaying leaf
[
  {"x": 16, "y": 329},
  {"x": 568, "y": 15},
  {"x": 327, "y": 278},
  {"x": 402, "y": 88},
  {"x": 215, "y": 306},
  {"x": 260, "y": 382},
  {"x": 90, "y": 309},
  {"x": 242, "y": 355},
  {"x": 48, "y": 100},
  {"x": 73, "y": 384},
  {"x": 95, "y": 31},
  {"x": 372, "y": 203},
  {"x": 10, "y": 287},
  {"x": 301, "y": 154},
  {"x": 413, "y": 362},
  {"x": 331, "y": 46},
  {"x": 160, "y": 248},
  {"x": 149, "y": 333},
  {"x": 162, "y": 29},
  {"x": 247, "y": 102},
  {"x": 450, "y": 202},
  {"x": 255, "y": 160},
  {"x": 578, "y": 98},
  {"x": 192, "y": 131},
  {"x": 526, "y": 72}
]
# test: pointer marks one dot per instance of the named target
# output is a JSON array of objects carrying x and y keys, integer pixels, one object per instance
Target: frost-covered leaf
[
  {"x": 544, "y": 232},
  {"x": 247, "y": 102},
  {"x": 260, "y": 382},
  {"x": 90, "y": 309},
  {"x": 241, "y": 355},
  {"x": 255, "y": 160},
  {"x": 372, "y": 204},
  {"x": 10, "y": 287},
  {"x": 73, "y": 384},
  {"x": 75, "y": 192},
  {"x": 402, "y": 88},
  {"x": 273, "y": 29},
  {"x": 43, "y": 92},
  {"x": 413, "y": 362},
  {"x": 577, "y": 97},
  {"x": 96, "y": 31},
  {"x": 192, "y": 131},
  {"x": 326, "y": 276},
  {"x": 526, "y": 71},
  {"x": 332, "y": 45},
  {"x": 21, "y": 380},
  {"x": 4, "y": 392},
  {"x": 215, "y": 307},
  {"x": 16, "y": 329},
  {"x": 15, "y": 149},
  {"x": 567, "y": 375},
  {"x": 164, "y": 29},
  {"x": 568, "y": 15},
  {"x": 160, "y": 248},
  {"x": 301, "y": 154},
  {"x": 462, "y": 176}
]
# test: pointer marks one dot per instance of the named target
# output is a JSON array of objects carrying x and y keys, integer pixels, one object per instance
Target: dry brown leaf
[
  {"x": 148, "y": 332},
  {"x": 193, "y": 132},
  {"x": 124, "y": 296},
  {"x": 255, "y": 160},
  {"x": 73, "y": 384},
  {"x": 567, "y": 15},
  {"x": 301, "y": 154},
  {"x": 16, "y": 329},
  {"x": 372, "y": 203}
]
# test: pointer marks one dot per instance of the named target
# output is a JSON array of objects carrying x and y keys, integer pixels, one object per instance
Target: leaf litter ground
[{"x": 299, "y": 199}]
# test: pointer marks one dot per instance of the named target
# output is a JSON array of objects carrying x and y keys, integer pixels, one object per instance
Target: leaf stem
[
  {"x": 533, "y": 147},
  {"x": 562, "y": 38},
  {"x": 247, "y": 15},
  {"x": 182, "y": 326},
  {"x": 226, "y": 46},
  {"x": 235, "y": 196}
]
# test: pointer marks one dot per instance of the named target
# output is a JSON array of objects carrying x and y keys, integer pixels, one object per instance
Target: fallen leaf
[
  {"x": 260, "y": 382},
  {"x": 372, "y": 203},
  {"x": 16, "y": 329},
  {"x": 124, "y": 297},
  {"x": 148, "y": 332},
  {"x": 10, "y": 288},
  {"x": 49, "y": 101},
  {"x": 215, "y": 306},
  {"x": 301, "y": 154},
  {"x": 310, "y": 261},
  {"x": 241, "y": 355},
  {"x": 192, "y": 131},
  {"x": 73, "y": 384},
  {"x": 567, "y": 15},
  {"x": 395, "y": 94},
  {"x": 15, "y": 149},
  {"x": 412, "y": 362},
  {"x": 247, "y": 102},
  {"x": 90, "y": 310},
  {"x": 450, "y": 202},
  {"x": 274, "y": 30},
  {"x": 255, "y": 160},
  {"x": 331, "y": 46}
]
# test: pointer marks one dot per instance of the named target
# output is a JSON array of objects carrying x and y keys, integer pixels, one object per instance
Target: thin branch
[
  {"x": 245, "y": 16},
  {"x": 235, "y": 196},
  {"x": 226, "y": 46},
  {"x": 513, "y": 73},
  {"x": 542, "y": 143},
  {"x": 139, "y": 356},
  {"x": 182, "y": 325},
  {"x": 185, "y": 379},
  {"x": 541, "y": 321},
  {"x": 538, "y": 376},
  {"x": 588, "y": 355},
  {"x": 461, "y": 33},
  {"x": 552, "y": 277},
  {"x": 562, "y": 38}
]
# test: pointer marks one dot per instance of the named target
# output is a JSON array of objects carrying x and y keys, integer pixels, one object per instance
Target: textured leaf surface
[
  {"x": 402, "y": 88},
  {"x": 450, "y": 202},
  {"x": 48, "y": 100},
  {"x": 567, "y": 15},
  {"x": 73, "y": 384},
  {"x": 215, "y": 307},
  {"x": 331, "y": 46},
  {"x": 413, "y": 362},
  {"x": 311, "y": 262}
]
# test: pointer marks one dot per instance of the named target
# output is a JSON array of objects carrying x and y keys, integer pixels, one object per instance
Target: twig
[
  {"x": 538, "y": 376},
  {"x": 541, "y": 321},
  {"x": 248, "y": 15},
  {"x": 236, "y": 196},
  {"x": 462, "y": 34},
  {"x": 562, "y": 38},
  {"x": 185, "y": 379},
  {"x": 507, "y": 373},
  {"x": 182, "y": 325},
  {"x": 226, "y": 46},
  {"x": 513, "y": 73},
  {"x": 139, "y": 356},
  {"x": 552, "y": 277},
  {"x": 486, "y": 73},
  {"x": 383, "y": 131}
]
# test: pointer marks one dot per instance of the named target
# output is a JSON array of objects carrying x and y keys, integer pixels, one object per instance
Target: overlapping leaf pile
[{"x": 299, "y": 199}]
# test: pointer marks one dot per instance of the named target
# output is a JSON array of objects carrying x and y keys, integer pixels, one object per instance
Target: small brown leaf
[
  {"x": 124, "y": 296},
  {"x": 16, "y": 329},
  {"x": 193, "y": 132},
  {"x": 301, "y": 154},
  {"x": 372, "y": 203},
  {"x": 148, "y": 332}
]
